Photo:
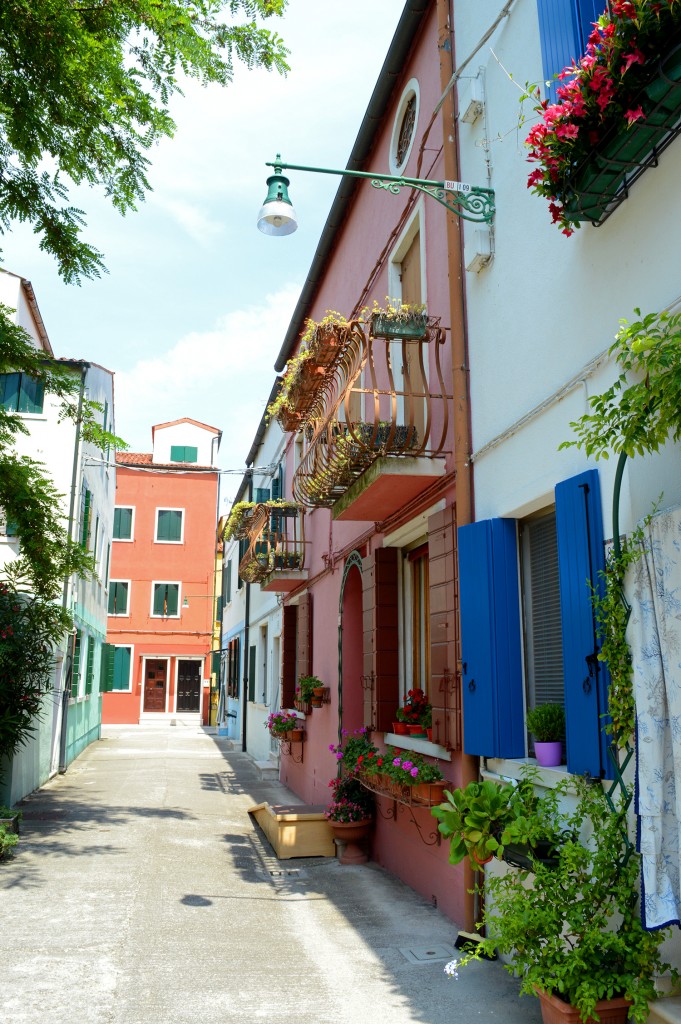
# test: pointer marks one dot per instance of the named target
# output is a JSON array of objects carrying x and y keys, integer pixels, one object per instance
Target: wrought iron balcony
[
  {"x": 275, "y": 556},
  {"x": 384, "y": 402}
]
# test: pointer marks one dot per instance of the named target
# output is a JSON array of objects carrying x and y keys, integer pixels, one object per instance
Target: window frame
[
  {"x": 166, "y": 583},
  {"x": 168, "y": 508},
  {"x": 128, "y": 586},
  {"x": 124, "y": 540}
]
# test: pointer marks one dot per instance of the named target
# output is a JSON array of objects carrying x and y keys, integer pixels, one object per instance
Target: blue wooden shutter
[
  {"x": 581, "y": 556},
  {"x": 492, "y": 679},
  {"x": 564, "y": 29}
]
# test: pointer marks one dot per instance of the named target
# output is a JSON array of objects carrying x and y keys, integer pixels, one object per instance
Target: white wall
[{"x": 186, "y": 432}]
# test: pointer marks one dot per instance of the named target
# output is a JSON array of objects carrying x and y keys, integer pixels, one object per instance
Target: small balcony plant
[{"x": 397, "y": 319}]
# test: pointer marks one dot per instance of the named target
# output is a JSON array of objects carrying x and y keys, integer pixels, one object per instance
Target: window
[
  {"x": 169, "y": 525},
  {"x": 21, "y": 393},
  {"x": 541, "y": 605},
  {"x": 227, "y": 583},
  {"x": 166, "y": 600},
  {"x": 122, "y": 524},
  {"x": 492, "y": 629},
  {"x": 8, "y": 528},
  {"x": 564, "y": 28},
  {"x": 417, "y": 620},
  {"x": 183, "y": 453},
  {"x": 233, "y": 666},
  {"x": 118, "y": 597},
  {"x": 404, "y": 127}
]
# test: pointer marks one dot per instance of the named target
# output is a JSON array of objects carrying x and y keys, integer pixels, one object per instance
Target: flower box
[
  {"x": 601, "y": 182},
  {"x": 414, "y": 326}
]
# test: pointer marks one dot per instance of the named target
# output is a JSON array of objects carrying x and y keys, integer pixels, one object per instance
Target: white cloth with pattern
[{"x": 654, "y": 634}]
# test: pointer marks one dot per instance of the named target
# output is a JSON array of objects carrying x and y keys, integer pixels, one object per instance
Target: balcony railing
[
  {"x": 381, "y": 398},
  {"x": 276, "y": 542}
]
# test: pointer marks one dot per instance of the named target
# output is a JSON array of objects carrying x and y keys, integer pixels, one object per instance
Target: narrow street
[{"x": 142, "y": 892}]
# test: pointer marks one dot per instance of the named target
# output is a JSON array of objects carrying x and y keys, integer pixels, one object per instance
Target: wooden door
[
  {"x": 155, "y": 676},
  {"x": 188, "y": 685}
]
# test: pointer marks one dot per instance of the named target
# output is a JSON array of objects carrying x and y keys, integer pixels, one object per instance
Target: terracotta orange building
[{"x": 162, "y": 576}]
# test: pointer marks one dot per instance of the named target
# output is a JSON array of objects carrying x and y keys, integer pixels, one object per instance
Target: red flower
[
  {"x": 634, "y": 115},
  {"x": 635, "y": 57}
]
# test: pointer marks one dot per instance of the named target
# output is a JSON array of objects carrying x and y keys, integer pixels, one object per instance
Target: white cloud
[{"x": 222, "y": 377}]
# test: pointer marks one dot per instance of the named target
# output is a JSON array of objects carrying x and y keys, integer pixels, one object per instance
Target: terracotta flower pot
[
  {"x": 429, "y": 733},
  {"x": 556, "y": 1011},
  {"x": 416, "y": 730},
  {"x": 429, "y": 793},
  {"x": 400, "y": 728},
  {"x": 354, "y": 834},
  {"x": 296, "y": 735}
]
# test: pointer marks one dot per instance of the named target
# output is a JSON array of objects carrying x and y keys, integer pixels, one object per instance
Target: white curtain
[{"x": 654, "y": 634}]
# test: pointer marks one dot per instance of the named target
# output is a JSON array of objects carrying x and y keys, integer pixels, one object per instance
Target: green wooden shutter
[
  {"x": 215, "y": 663},
  {"x": 169, "y": 525},
  {"x": 166, "y": 598},
  {"x": 75, "y": 664},
  {"x": 106, "y": 669},
  {"x": 262, "y": 494},
  {"x": 9, "y": 391},
  {"x": 121, "y": 668},
  {"x": 122, "y": 525},
  {"x": 85, "y": 514},
  {"x": 183, "y": 453},
  {"x": 90, "y": 665}
]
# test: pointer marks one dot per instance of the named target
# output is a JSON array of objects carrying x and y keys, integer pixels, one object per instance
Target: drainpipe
[
  {"x": 68, "y": 663},
  {"x": 247, "y": 621},
  {"x": 459, "y": 345}
]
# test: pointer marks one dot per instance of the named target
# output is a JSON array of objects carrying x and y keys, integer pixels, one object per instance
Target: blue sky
[{"x": 194, "y": 308}]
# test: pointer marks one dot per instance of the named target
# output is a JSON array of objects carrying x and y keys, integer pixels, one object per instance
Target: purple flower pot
[{"x": 549, "y": 755}]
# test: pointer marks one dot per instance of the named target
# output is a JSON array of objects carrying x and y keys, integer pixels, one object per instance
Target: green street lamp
[{"x": 277, "y": 216}]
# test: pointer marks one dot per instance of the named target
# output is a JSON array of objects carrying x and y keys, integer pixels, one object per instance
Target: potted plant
[
  {"x": 474, "y": 818},
  {"x": 397, "y": 319},
  {"x": 427, "y": 785},
  {"x": 280, "y": 723},
  {"x": 8, "y": 840},
  {"x": 354, "y": 751},
  {"x": 350, "y": 816},
  {"x": 314, "y": 690},
  {"x": 412, "y": 712},
  {"x": 238, "y": 520},
  {"x": 10, "y": 818},
  {"x": 547, "y": 724},
  {"x": 575, "y": 935}
]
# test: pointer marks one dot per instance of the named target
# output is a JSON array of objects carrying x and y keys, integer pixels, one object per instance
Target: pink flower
[
  {"x": 635, "y": 57},
  {"x": 634, "y": 115},
  {"x": 414, "y": 772}
]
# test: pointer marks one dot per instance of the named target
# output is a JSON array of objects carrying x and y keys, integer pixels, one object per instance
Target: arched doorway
[{"x": 350, "y": 647}]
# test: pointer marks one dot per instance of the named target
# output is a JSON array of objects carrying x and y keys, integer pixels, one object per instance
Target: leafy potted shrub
[
  {"x": 412, "y": 713},
  {"x": 9, "y": 819},
  {"x": 8, "y": 840},
  {"x": 547, "y": 724},
  {"x": 313, "y": 689},
  {"x": 474, "y": 818},
  {"x": 575, "y": 935}
]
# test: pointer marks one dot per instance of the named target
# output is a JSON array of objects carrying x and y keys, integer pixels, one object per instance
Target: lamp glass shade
[{"x": 277, "y": 218}]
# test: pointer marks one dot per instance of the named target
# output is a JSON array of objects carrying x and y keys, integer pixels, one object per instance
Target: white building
[{"x": 86, "y": 478}]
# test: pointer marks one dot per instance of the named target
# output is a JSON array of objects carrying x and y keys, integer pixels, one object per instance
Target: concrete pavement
[{"x": 141, "y": 893}]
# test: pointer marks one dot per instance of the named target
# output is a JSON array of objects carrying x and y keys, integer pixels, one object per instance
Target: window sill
[
  {"x": 419, "y": 746},
  {"x": 496, "y": 767}
]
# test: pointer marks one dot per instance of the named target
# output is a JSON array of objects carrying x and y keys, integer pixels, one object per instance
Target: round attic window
[{"x": 404, "y": 128}]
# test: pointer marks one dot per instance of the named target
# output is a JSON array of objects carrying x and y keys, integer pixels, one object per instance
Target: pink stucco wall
[{"x": 371, "y": 228}]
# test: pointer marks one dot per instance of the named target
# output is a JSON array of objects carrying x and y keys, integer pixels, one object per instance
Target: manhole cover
[{"x": 427, "y": 954}]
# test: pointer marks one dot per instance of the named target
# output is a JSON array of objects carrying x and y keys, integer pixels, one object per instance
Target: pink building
[
  {"x": 376, "y": 461},
  {"x": 162, "y": 576}
]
